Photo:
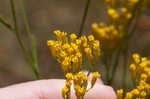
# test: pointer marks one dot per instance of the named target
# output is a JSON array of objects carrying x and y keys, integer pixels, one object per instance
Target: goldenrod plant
[
  {"x": 31, "y": 58},
  {"x": 115, "y": 35},
  {"x": 69, "y": 51},
  {"x": 140, "y": 72},
  {"x": 108, "y": 41}
]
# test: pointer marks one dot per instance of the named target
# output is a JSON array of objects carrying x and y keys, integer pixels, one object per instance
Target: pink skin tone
[{"x": 51, "y": 89}]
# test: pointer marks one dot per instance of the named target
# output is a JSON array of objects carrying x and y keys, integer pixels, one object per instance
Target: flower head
[{"x": 69, "y": 52}]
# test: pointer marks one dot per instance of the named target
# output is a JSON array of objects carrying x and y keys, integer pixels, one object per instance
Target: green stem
[
  {"x": 68, "y": 96},
  {"x": 32, "y": 42},
  {"x": 125, "y": 68},
  {"x": 16, "y": 30},
  {"x": 107, "y": 72},
  {"x": 108, "y": 65},
  {"x": 84, "y": 17},
  {"x": 21, "y": 42},
  {"x": 90, "y": 68},
  {"x": 82, "y": 97},
  {"x": 105, "y": 63},
  {"x": 6, "y": 24},
  {"x": 114, "y": 67}
]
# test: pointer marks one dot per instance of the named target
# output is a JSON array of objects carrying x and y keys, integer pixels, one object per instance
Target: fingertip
[
  {"x": 101, "y": 92},
  {"x": 99, "y": 80}
]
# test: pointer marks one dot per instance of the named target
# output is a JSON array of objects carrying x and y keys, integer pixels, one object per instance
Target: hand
[{"x": 51, "y": 89}]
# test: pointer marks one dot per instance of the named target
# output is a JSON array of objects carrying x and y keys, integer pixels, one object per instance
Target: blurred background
[{"x": 44, "y": 16}]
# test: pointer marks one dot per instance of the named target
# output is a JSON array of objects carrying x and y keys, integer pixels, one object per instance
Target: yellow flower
[
  {"x": 79, "y": 43},
  {"x": 140, "y": 69},
  {"x": 64, "y": 37},
  {"x": 111, "y": 12},
  {"x": 73, "y": 37},
  {"x": 96, "y": 49},
  {"x": 108, "y": 35},
  {"x": 84, "y": 41},
  {"x": 120, "y": 94},
  {"x": 80, "y": 81},
  {"x": 75, "y": 61},
  {"x": 94, "y": 26},
  {"x": 102, "y": 25},
  {"x": 79, "y": 91},
  {"x": 68, "y": 84},
  {"x": 65, "y": 91},
  {"x": 133, "y": 1},
  {"x": 112, "y": 3},
  {"x": 80, "y": 75},
  {"x": 62, "y": 55},
  {"x": 91, "y": 38},
  {"x": 75, "y": 47},
  {"x": 89, "y": 55},
  {"x": 143, "y": 77},
  {"x": 69, "y": 53},
  {"x": 75, "y": 80},
  {"x": 58, "y": 34},
  {"x": 135, "y": 92},
  {"x": 94, "y": 78},
  {"x": 79, "y": 55},
  {"x": 51, "y": 44},
  {"x": 136, "y": 58},
  {"x": 143, "y": 94},
  {"x": 113, "y": 15},
  {"x": 131, "y": 4},
  {"x": 128, "y": 95},
  {"x": 101, "y": 33},
  {"x": 128, "y": 16},
  {"x": 69, "y": 76},
  {"x": 66, "y": 65},
  {"x": 124, "y": 10},
  {"x": 133, "y": 71},
  {"x": 85, "y": 81}
]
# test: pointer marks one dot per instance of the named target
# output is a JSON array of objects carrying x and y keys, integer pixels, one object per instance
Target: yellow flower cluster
[
  {"x": 120, "y": 14},
  {"x": 118, "y": 18},
  {"x": 69, "y": 51},
  {"x": 145, "y": 4},
  {"x": 138, "y": 4},
  {"x": 140, "y": 69},
  {"x": 80, "y": 83},
  {"x": 112, "y": 3},
  {"x": 140, "y": 92},
  {"x": 108, "y": 35},
  {"x": 129, "y": 4},
  {"x": 140, "y": 72},
  {"x": 120, "y": 94}
]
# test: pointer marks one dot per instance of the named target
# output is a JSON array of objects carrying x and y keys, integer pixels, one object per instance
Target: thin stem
[
  {"x": 6, "y": 24},
  {"x": 108, "y": 65},
  {"x": 105, "y": 63},
  {"x": 84, "y": 17},
  {"x": 82, "y": 97},
  {"x": 114, "y": 67},
  {"x": 32, "y": 42},
  {"x": 21, "y": 42},
  {"x": 35, "y": 58},
  {"x": 125, "y": 68},
  {"x": 16, "y": 30},
  {"x": 68, "y": 96},
  {"x": 90, "y": 68},
  {"x": 131, "y": 33},
  {"x": 107, "y": 69}
]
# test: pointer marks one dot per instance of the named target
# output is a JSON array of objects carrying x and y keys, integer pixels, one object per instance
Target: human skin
[{"x": 51, "y": 89}]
